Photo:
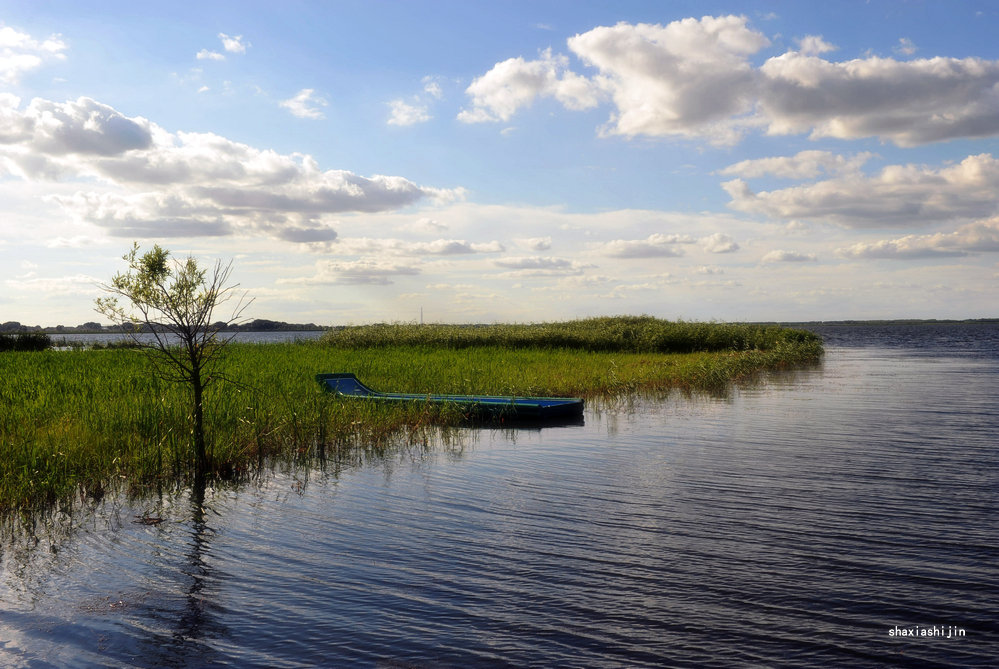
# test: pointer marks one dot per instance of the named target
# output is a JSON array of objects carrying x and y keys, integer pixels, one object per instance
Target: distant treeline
[{"x": 256, "y": 325}]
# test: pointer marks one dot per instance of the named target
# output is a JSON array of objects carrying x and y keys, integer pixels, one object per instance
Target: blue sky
[{"x": 507, "y": 161}]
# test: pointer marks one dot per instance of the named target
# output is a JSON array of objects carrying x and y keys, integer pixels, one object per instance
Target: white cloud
[
  {"x": 366, "y": 271},
  {"x": 524, "y": 266},
  {"x": 233, "y": 44},
  {"x": 904, "y": 102},
  {"x": 515, "y": 83},
  {"x": 534, "y": 262},
  {"x": 426, "y": 226},
  {"x": 77, "y": 284},
  {"x": 20, "y": 53},
  {"x": 803, "y": 165},
  {"x": 654, "y": 246},
  {"x": 899, "y": 195},
  {"x": 35, "y": 141},
  {"x": 432, "y": 86},
  {"x": 405, "y": 114},
  {"x": 977, "y": 237},
  {"x": 535, "y": 243},
  {"x": 719, "y": 243},
  {"x": 693, "y": 78},
  {"x": 813, "y": 45},
  {"x": 75, "y": 242},
  {"x": 660, "y": 245},
  {"x": 779, "y": 256},
  {"x": 141, "y": 181},
  {"x": 206, "y": 54},
  {"x": 688, "y": 78},
  {"x": 905, "y": 47},
  {"x": 145, "y": 215},
  {"x": 305, "y": 104},
  {"x": 438, "y": 247}
]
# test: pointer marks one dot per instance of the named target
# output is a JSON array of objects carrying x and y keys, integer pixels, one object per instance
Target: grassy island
[{"x": 76, "y": 423}]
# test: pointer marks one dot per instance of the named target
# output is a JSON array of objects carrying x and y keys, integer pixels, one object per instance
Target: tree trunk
[{"x": 200, "y": 454}]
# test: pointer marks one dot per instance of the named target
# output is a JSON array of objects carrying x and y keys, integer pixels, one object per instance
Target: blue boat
[{"x": 543, "y": 408}]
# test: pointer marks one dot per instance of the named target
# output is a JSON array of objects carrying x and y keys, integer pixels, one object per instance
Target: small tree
[{"x": 174, "y": 302}]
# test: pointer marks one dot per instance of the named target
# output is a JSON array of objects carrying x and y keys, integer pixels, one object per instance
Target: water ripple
[{"x": 791, "y": 524}]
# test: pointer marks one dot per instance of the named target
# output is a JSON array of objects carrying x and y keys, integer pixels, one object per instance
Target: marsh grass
[
  {"x": 78, "y": 423},
  {"x": 24, "y": 341},
  {"x": 636, "y": 334}
]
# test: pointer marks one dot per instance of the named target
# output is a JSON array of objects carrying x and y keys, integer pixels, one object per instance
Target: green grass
[
  {"x": 76, "y": 423},
  {"x": 637, "y": 334}
]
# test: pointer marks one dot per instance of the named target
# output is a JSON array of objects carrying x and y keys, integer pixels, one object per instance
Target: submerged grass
[{"x": 75, "y": 423}]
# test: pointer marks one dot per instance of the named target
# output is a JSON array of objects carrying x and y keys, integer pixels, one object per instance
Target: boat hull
[{"x": 348, "y": 385}]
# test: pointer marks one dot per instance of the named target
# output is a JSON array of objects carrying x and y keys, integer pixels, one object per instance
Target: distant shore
[{"x": 265, "y": 325}]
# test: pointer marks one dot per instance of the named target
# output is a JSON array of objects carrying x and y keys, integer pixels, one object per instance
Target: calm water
[
  {"x": 794, "y": 524},
  {"x": 248, "y": 337}
]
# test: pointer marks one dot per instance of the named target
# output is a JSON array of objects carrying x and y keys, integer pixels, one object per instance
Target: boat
[{"x": 543, "y": 408}]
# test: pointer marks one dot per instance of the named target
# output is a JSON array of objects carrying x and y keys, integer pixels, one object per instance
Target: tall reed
[
  {"x": 74, "y": 422},
  {"x": 636, "y": 334}
]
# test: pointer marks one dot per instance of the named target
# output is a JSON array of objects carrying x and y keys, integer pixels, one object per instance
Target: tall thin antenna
[{"x": 421, "y": 315}]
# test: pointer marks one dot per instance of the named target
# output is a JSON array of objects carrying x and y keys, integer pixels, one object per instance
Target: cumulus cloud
[
  {"x": 654, "y": 246},
  {"x": 905, "y": 248},
  {"x": 404, "y": 113},
  {"x": 148, "y": 182},
  {"x": 33, "y": 140},
  {"x": 516, "y": 83},
  {"x": 365, "y": 271},
  {"x": 899, "y": 195},
  {"x": 426, "y": 225},
  {"x": 693, "y": 78},
  {"x": 977, "y": 237},
  {"x": 535, "y": 243},
  {"x": 803, "y": 165},
  {"x": 233, "y": 44},
  {"x": 719, "y": 243},
  {"x": 305, "y": 104},
  {"x": 522, "y": 266},
  {"x": 813, "y": 45},
  {"x": 416, "y": 109},
  {"x": 230, "y": 44},
  {"x": 432, "y": 87},
  {"x": 534, "y": 262},
  {"x": 438, "y": 247},
  {"x": 206, "y": 54},
  {"x": 145, "y": 215},
  {"x": 688, "y": 78},
  {"x": 779, "y": 256},
  {"x": 20, "y": 53},
  {"x": 905, "y": 102}
]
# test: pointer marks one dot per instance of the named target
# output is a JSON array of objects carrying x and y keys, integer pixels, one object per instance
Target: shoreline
[{"x": 83, "y": 417}]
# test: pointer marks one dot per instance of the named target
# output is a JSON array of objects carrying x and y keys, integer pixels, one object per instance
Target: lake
[
  {"x": 251, "y": 337},
  {"x": 841, "y": 515}
]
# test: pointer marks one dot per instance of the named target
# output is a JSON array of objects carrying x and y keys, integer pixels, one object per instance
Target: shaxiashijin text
[{"x": 936, "y": 632}]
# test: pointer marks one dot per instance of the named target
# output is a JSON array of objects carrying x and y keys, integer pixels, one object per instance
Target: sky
[{"x": 478, "y": 162}]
